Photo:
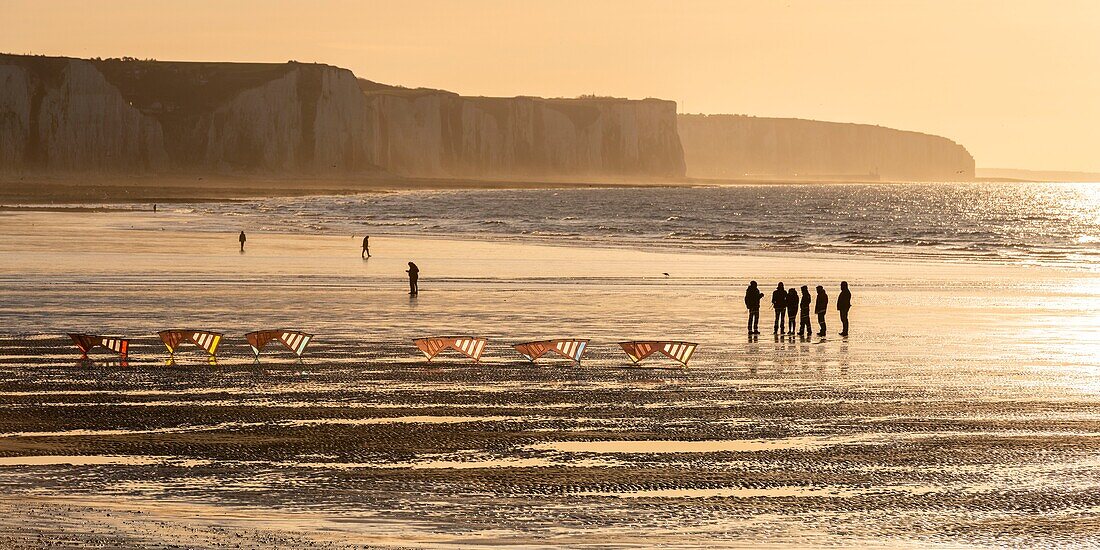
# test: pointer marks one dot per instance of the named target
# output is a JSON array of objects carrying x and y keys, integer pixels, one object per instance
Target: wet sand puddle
[{"x": 679, "y": 455}]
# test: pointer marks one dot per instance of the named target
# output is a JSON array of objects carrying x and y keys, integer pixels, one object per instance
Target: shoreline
[
  {"x": 147, "y": 221},
  {"x": 38, "y": 189}
]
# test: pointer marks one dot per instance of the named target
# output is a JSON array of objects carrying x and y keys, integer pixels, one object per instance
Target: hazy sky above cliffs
[{"x": 1017, "y": 82}]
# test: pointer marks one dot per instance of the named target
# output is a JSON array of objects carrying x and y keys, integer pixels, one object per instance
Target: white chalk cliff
[
  {"x": 129, "y": 116},
  {"x": 432, "y": 133},
  {"x": 72, "y": 120}
]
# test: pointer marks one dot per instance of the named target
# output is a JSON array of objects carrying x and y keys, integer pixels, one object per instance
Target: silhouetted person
[
  {"x": 366, "y": 247},
  {"x": 414, "y": 274},
  {"x": 752, "y": 303},
  {"x": 821, "y": 306},
  {"x": 779, "y": 303},
  {"x": 242, "y": 239},
  {"x": 804, "y": 326},
  {"x": 843, "y": 304},
  {"x": 792, "y": 309},
  {"x": 154, "y": 208}
]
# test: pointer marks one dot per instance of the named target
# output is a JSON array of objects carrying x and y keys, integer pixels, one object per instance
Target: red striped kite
[
  {"x": 569, "y": 349},
  {"x": 86, "y": 342},
  {"x": 680, "y": 351},
  {"x": 294, "y": 340},
  {"x": 204, "y": 339},
  {"x": 466, "y": 345}
]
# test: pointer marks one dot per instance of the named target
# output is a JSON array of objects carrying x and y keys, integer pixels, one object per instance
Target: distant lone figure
[
  {"x": 821, "y": 306},
  {"x": 752, "y": 303},
  {"x": 779, "y": 303},
  {"x": 792, "y": 310},
  {"x": 804, "y": 326},
  {"x": 414, "y": 274},
  {"x": 843, "y": 304},
  {"x": 366, "y": 247},
  {"x": 242, "y": 239}
]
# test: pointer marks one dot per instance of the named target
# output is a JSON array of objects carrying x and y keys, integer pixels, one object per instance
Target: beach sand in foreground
[{"x": 961, "y": 411}]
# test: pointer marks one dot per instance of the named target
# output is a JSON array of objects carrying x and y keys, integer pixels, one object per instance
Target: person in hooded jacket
[
  {"x": 821, "y": 307},
  {"x": 752, "y": 303},
  {"x": 779, "y": 303},
  {"x": 792, "y": 309},
  {"x": 414, "y": 278},
  {"x": 843, "y": 304},
  {"x": 804, "y": 326}
]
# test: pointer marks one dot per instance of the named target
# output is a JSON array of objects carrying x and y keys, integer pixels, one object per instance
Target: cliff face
[
  {"x": 61, "y": 115},
  {"x": 129, "y": 116},
  {"x": 433, "y": 133},
  {"x": 735, "y": 146}
]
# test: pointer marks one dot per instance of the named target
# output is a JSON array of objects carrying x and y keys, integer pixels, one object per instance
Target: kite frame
[
  {"x": 662, "y": 347},
  {"x": 190, "y": 337},
  {"x": 552, "y": 346},
  {"x": 277, "y": 335},
  {"x": 480, "y": 344},
  {"x": 98, "y": 341}
]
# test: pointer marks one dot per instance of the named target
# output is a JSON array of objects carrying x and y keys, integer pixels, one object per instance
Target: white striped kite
[
  {"x": 466, "y": 345},
  {"x": 295, "y": 341},
  {"x": 679, "y": 351},
  {"x": 204, "y": 339},
  {"x": 86, "y": 342},
  {"x": 568, "y": 348}
]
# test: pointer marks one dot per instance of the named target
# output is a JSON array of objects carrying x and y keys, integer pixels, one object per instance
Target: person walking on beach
[
  {"x": 821, "y": 306},
  {"x": 752, "y": 303},
  {"x": 779, "y": 303},
  {"x": 792, "y": 309},
  {"x": 804, "y": 326},
  {"x": 242, "y": 239},
  {"x": 843, "y": 304},
  {"x": 366, "y": 247},
  {"x": 414, "y": 274}
]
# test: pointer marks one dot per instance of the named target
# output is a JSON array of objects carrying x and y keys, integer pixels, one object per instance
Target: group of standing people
[{"x": 788, "y": 303}]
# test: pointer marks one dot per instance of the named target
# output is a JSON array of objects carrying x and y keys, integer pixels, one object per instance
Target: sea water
[{"x": 1020, "y": 223}]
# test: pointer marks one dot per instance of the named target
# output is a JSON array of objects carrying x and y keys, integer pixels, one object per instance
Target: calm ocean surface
[{"x": 1021, "y": 223}]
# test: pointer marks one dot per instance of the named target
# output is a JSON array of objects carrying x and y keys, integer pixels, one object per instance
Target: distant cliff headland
[
  {"x": 745, "y": 147},
  {"x": 132, "y": 116},
  {"x": 65, "y": 116}
]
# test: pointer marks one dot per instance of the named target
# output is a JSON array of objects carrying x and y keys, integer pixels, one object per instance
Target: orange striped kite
[
  {"x": 204, "y": 339},
  {"x": 295, "y": 341},
  {"x": 86, "y": 342},
  {"x": 466, "y": 345},
  {"x": 679, "y": 351},
  {"x": 568, "y": 348}
]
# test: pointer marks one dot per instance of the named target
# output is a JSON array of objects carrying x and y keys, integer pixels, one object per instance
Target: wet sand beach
[{"x": 962, "y": 411}]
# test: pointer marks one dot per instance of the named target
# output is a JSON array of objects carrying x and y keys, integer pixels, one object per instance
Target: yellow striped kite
[{"x": 204, "y": 339}]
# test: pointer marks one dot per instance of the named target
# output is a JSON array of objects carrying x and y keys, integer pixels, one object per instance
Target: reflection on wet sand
[{"x": 972, "y": 424}]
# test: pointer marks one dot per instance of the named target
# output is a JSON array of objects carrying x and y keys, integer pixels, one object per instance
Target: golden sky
[{"x": 1016, "y": 82}]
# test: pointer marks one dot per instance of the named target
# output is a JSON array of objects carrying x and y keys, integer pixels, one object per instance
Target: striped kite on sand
[
  {"x": 295, "y": 341},
  {"x": 572, "y": 349},
  {"x": 204, "y": 339},
  {"x": 679, "y": 351},
  {"x": 86, "y": 342},
  {"x": 469, "y": 346}
]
